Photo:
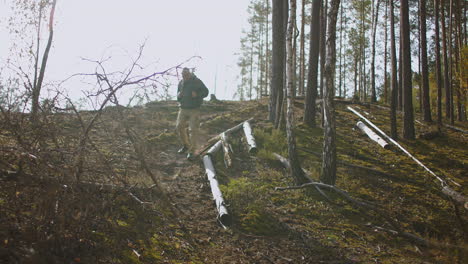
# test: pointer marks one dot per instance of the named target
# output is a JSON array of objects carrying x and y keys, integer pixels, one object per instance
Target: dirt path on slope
[{"x": 186, "y": 183}]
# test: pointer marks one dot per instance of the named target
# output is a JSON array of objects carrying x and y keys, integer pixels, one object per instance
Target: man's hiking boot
[
  {"x": 182, "y": 150},
  {"x": 190, "y": 156}
]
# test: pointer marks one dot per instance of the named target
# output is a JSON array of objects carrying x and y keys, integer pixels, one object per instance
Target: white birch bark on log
[
  {"x": 226, "y": 149},
  {"x": 214, "y": 139},
  {"x": 445, "y": 188},
  {"x": 250, "y": 138},
  {"x": 372, "y": 135},
  {"x": 215, "y": 148},
  {"x": 223, "y": 215}
]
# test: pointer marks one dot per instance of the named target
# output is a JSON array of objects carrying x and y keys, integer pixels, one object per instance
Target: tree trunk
[
  {"x": 450, "y": 57},
  {"x": 276, "y": 85},
  {"x": 267, "y": 52},
  {"x": 311, "y": 94},
  {"x": 374, "y": 32},
  {"x": 281, "y": 100},
  {"x": 296, "y": 170},
  {"x": 408, "y": 115},
  {"x": 302, "y": 51},
  {"x": 393, "y": 81},
  {"x": 400, "y": 74},
  {"x": 328, "y": 174},
  {"x": 340, "y": 80},
  {"x": 36, "y": 92},
  {"x": 386, "y": 54},
  {"x": 438, "y": 64},
  {"x": 424, "y": 64},
  {"x": 323, "y": 35},
  {"x": 446, "y": 61}
]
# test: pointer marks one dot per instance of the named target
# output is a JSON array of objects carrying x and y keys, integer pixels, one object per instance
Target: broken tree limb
[
  {"x": 452, "y": 193},
  {"x": 223, "y": 215},
  {"x": 226, "y": 149},
  {"x": 443, "y": 183},
  {"x": 286, "y": 164},
  {"x": 250, "y": 138},
  {"x": 372, "y": 135}
]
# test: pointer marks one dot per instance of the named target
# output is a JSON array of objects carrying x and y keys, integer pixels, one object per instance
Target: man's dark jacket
[{"x": 187, "y": 87}]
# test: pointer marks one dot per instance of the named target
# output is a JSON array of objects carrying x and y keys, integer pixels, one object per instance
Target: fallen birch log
[
  {"x": 226, "y": 150},
  {"x": 250, "y": 138},
  {"x": 457, "y": 129},
  {"x": 214, "y": 139},
  {"x": 214, "y": 148},
  {"x": 372, "y": 135},
  {"x": 223, "y": 215},
  {"x": 453, "y": 194}
]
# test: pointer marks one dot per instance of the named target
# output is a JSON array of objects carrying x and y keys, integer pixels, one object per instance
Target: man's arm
[
  {"x": 179, "y": 92},
  {"x": 202, "y": 90}
]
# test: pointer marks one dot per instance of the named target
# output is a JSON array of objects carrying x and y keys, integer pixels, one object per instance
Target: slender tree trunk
[
  {"x": 450, "y": 57},
  {"x": 294, "y": 58},
  {"x": 400, "y": 74},
  {"x": 356, "y": 92},
  {"x": 267, "y": 48},
  {"x": 363, "y": 58},
  {"x": 323, "y": 35},
  {"x": 438, "y": 64},
  {"x": 374, "y": 32},
  {"x": 408, "y": 115},
  {"x": 296, "y": 170},
  {"x": 393, "y": 81},
  {"x": 328, "y": 175},
  {"x": 36, "y": 92},
  {"x": 424, "y": 68},
  {"x": 340, "y": 81},
  {"x": 251, "y": 64},
  {"x": 278, "y": 45},
  {"x": 461, "y": 80},
  {"x": 311, "y": 94},
  {"x": 302, "y": 51},
  {"x": 446, "y": 61},
  {"x": 386, "y": 54}
]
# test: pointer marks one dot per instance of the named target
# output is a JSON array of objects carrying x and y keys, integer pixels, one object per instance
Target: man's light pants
[{"x": 188, "y": 118}]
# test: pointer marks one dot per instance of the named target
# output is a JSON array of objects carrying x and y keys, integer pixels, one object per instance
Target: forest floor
[{"x": 46, "y": 217}]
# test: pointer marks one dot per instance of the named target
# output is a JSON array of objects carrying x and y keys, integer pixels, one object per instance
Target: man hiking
[{"x": 190, "y": 94}]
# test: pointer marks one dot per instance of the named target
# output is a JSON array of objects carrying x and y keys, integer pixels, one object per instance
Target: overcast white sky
[{"x": 175, "y": 30}]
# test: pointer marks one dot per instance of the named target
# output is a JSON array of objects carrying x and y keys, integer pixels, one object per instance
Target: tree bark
[
  {"x": 408, "y": 115},
  {"x": 385, "y": 92},
  {"x": 328, "y": 174},
  {"x": 302, "y": 51},
  {"x": 446, "y": 61},
  {"x": 36, "y": 92},
  {"x": 374, "y": 32},
  {"x": 276, "y": 85},
  {"x": 296, "y": 170},
  {"x": 424, "y": 65},
  {"x": 393, "y": 81},
  {"x": 323, "y": 35},
  {"x": 438, "y": 69},
  {"x": 223, "y": 215},
  {"x": 311, "y": 94}
]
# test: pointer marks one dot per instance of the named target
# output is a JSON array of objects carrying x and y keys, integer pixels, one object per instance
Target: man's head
[{"x": 186, "y": 74}]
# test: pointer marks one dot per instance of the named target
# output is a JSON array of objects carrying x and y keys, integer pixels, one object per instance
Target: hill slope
[{"x": 118, "y": 215}]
